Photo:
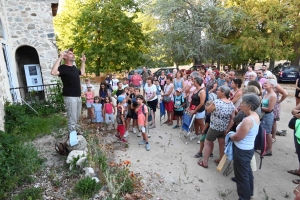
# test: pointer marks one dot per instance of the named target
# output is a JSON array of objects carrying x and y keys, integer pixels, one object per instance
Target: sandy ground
[{"x": 170, "y": 170}]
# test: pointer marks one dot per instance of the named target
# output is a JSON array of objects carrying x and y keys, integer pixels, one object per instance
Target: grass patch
[
  {"x": 18, "y": 161},
  {"x": 33, "y": 127},
  {"x": 86, "y": 187},
  {"x": 30, "y": 194}
]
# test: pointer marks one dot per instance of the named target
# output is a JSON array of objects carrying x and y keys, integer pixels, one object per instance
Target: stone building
[{"x": 28, "y": 48}]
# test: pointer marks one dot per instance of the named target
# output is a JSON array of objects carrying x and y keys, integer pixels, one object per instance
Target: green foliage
[
  {"x": 22, "y": 121},
  {"x": 122, "y": 177},
  {"x": 102, "y": 161},
  {"x": 191, "y": 30},
  {"x": 105, "y": 31},
  {"x": 30, "y": 194},
  {"x": 86, "y": 187},
  {"x": 18, "y": 161}
]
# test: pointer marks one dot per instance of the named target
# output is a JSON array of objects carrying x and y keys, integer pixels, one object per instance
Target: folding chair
[
  {"x": 187, "y": 127},
  {"x": 162, "y": 112},
  {"x": 228, "y": 169}
]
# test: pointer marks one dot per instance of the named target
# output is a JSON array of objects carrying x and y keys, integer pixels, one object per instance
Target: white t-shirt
[
  {"x": 267, "y": 74},
  {"x": 149, "y": 91},
  {"x": 124, "y": 86},
  {"x": 84, "y": 87},
  {"x": 114, "y": 83}
]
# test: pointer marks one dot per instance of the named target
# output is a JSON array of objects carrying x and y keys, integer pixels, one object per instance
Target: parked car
[
  {"x": 286, "y": 73},
  {"x": 168, "y": 71},
  {"x": 139, "y": 72}
]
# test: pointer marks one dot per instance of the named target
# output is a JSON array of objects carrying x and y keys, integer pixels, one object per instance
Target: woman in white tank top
[{"x": 243, "y": 147}]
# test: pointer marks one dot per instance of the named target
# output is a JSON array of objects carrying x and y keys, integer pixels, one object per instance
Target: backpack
[
  {"x": 61, "y": 148},
  {"x": 149, "y": 113},
  {"x": 260, "y": 143}
]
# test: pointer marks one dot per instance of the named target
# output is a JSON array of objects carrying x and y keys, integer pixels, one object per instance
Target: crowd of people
[{"x": 223, "y": 105}]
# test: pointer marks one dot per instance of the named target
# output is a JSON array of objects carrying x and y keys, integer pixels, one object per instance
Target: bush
[
  {"x": 30, "y": 194},
  {"x": 18, "y": 161},
  {"x": 87, "y": 187}
]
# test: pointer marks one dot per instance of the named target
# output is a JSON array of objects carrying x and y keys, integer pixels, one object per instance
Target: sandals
[
  {"x": 294, "y": 172},
  {"x": 268, "y": 153},
  {"x": 200, "y": 163},
  {"x": 198, "y": 155},
  {"x": 296, "y": 181},
  {"x": 273, "y": 140},
  {"x": 281, "y": 132},
  {"x": 170, "y": 123}
]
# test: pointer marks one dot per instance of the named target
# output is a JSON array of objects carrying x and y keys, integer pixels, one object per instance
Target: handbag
[{"x": 166, "y": 99}]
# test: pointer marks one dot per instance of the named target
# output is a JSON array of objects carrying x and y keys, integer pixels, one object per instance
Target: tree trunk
[
  {"x": 218, "y": 64},
  {"x": 197, "y": 61},
  {"x": 272, "y": 64},
  {"x": 296, "y": 60}
]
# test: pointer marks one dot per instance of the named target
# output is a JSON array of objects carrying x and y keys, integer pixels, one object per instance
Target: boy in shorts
[
  {"x": 142, "y": 113},
  {"x": 206, "y": 127},
  {"x": 120, "y": 118},
  {"x": 179, "y": 103}
]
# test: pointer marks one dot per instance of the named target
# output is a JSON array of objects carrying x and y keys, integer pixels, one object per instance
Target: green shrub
[
  {"x": 123, "y": 179},
  {"x": 87, "y": 187},
  {"x": 102, "y": 161},
  {"x": 30, "y": 194},
  {"x": 18, "y": 161}
]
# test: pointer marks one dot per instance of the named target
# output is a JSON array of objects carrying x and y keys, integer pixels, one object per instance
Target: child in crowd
[
  {"x": 142, "y": 113},
  {"x": 179, "y": 104},
  {"x": 125, "y": 83},
  {"x": 119, "y": 91},
  {"x": 129, "y": 110},
  {"x": 89, "y": 95},
  {"x": 204, "y": 132},
  {"x": 87, "y": 84},
  {"x": 133, "y": 106},
  {"x": 109, "y": 111},
  {"x": 158, "y": 91},
  {"x": 114, "y": 82},
  {"x": 97, "y": 112},
  {"x": 120, "y": 118}
]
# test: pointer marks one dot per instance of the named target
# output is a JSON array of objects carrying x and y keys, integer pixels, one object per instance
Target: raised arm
[
  {"x": 54, "y": 70},
  {"x": 82, "y": 68}
]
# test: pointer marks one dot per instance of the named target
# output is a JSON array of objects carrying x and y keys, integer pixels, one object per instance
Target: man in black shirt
[{"x": 69, "y": 75}]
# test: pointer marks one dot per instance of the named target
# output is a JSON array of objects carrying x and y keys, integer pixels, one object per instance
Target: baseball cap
[
  {"x": 179, "y": 90},
  {"x": 121, "y": 98}
]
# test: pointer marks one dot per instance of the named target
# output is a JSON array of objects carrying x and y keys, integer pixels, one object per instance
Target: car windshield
[
  {"x": 131, "y": 73},
  {"x": 291, "y": 69}
]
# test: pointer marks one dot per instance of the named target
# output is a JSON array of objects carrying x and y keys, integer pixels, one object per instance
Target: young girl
[
  {"x": 109, "y": 111},
  {"x": 89, "y": 95},
  {"x": 98, "y": 117},
  {"x": 158, "y": 89}
]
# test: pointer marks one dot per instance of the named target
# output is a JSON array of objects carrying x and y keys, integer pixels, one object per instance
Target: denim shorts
[
  {"x": 200, "y": 115},
  {"x": 267, "y": 122}
]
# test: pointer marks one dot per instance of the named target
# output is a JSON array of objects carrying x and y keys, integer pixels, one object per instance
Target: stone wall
[
  {"x": 26, "y": 23},
  {"x": 31, "y": 23}
]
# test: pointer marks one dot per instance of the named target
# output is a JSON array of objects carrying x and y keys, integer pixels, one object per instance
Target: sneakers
[
  {"x": 198, "y": 142},
  {"x": 123, "y": 140},
  {"x": 139, "y": 134},
  {"x": 194, "y": 137},
  {"x": 134, "y": 130},
  {"x": 126, "y": 134},
  {"x": 149, "y": 136},
  {"x": 176, "y": 126},
  {"x": 142, "y": 142},
  {"x": 148, "y": 147}
]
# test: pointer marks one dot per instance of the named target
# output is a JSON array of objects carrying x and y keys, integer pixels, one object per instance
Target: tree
[
  {"x": 106, "y": 32},
  {"x": 192, "y": 30},
  {"x": 267, "y": 29}
]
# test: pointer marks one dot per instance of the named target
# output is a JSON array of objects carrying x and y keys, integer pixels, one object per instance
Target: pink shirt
[
  {"x": 141, "y": 115},
  {"x": 108, "y": 108},
  {"x": 136, "y": 80}
]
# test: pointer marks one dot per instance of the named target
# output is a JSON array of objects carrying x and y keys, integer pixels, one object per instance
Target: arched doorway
[{"x": 29, "y": 73}]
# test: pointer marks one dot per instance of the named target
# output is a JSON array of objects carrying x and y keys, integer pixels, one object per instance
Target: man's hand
[
  {"x": 83, "y": 58},
  {"x": 297, "y": 115},
  {"x": 62, "y": 54}
]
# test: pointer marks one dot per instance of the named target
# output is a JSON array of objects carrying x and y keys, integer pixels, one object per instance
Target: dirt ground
[{"x": 170, "y": 170}]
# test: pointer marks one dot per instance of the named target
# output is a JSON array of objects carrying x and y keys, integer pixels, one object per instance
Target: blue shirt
[
  {"x": 158, "y": 90},
  {"x": 178, "y": 101}
]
